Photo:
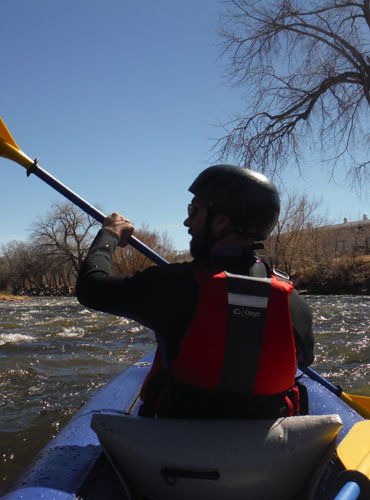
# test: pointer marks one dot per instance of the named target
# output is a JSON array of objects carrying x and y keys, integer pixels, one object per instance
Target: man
[{"x": 225, "y": 323}]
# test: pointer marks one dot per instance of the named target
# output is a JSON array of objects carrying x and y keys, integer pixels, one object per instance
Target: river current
[{"x": 55, "y": 354}]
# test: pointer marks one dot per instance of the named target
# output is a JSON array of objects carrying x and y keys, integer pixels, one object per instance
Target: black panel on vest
[{"x": 246, "y": 321}]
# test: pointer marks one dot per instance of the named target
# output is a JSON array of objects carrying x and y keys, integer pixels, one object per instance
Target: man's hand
[{"x": 120, "y": 226}]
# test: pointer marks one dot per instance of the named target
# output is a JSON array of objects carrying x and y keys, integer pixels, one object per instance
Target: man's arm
[
  {"x": 160, "y": 297},
  {"x": 302, "y": 325},
  {"x": 98, "y": 289}
]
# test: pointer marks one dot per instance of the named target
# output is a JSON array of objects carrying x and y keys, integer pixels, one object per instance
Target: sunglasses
[{"x": 193, "y": 209}]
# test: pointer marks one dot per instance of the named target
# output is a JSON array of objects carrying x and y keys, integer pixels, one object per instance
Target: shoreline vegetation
[
  {"x": 321, "y": 260},
  {"x": 7, "y": 297},
  {"x": 335, "y": 279}
]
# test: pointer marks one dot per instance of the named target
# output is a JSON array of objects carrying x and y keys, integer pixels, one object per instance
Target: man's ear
[{"x": 221, "y": 222}]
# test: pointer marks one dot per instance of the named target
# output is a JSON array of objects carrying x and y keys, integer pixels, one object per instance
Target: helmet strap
[{"x": 209, "y": 237}]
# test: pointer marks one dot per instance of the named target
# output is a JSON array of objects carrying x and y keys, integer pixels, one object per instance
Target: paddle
[
  {"x": 9, "y": 149},
  {"x": 361, "y": 404},
  {"x": 354, "y": 453}
]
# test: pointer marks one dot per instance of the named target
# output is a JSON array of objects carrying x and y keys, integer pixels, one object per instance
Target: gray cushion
[{"x": 167, "y": 459}]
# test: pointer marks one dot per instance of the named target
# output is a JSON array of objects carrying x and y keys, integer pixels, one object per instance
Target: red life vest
[
  {"x": 240, "y": 339},
  {"x": 241, "y": 336}
]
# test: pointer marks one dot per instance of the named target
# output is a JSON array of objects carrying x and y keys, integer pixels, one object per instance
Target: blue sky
[{"x": 121, "y": 101}]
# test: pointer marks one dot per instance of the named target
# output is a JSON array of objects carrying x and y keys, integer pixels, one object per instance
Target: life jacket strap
[{"x": 247, "y": 309}]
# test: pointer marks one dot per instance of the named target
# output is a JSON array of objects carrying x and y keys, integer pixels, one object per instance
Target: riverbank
[
  {"x": 320, "y": 284},
  {"x": 340, "y": 276},
  {"x": 335, "y": 278},
  {"x": 11, "y": 298}
]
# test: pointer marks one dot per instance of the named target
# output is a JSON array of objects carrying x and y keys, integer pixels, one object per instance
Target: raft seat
[{"x": 168, "y": 459}]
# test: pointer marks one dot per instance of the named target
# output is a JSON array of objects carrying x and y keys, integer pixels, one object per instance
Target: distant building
[{"x": 347, "y": 238}]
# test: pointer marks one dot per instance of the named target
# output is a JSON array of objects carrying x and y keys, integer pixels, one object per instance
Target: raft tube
[{"x": 74, "y": 464}]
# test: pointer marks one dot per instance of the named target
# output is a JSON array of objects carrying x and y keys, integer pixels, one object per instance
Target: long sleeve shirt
[{"x": 164, "y": 297}]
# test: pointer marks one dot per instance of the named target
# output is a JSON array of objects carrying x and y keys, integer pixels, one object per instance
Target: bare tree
[
  {"x": 305, "y": 67},
  {"x": 128, "y": 261},
  {"x": 294, "y": 243},
  {"x": 22, "y": 267},
  {"x": 59, "y": 243},
  {"x": 65, "y": 233},
  {"x": 15, "y": 258}
]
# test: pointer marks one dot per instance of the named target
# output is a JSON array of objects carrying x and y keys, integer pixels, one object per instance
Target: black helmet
[{"x": 249, "y": 198}]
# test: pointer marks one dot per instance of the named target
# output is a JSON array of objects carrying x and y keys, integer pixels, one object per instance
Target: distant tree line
[
  {"x": 49, "y": 262},
  {"x": 308, "y": 252},
  {"x": 293, "y": 243},
  {"x": 59, "y": 241}
]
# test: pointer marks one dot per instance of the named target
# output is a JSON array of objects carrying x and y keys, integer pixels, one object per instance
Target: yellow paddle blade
[
  {"x": 359, "y": 403},
  {"x": 5, "y": 135},
  {"x": 363, "y": 401},
  {"x": 354, "y": 450},
  {"x": 10, "y": 149}
]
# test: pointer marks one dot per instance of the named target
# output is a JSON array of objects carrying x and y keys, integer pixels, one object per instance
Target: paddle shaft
[
  {"x": 351, "y": 400},
  {"x": 9, "y": 149},
  {"x": 153, "y": 256},
  {"x": 318, "y": 378},
  {"x": 91, "y": 210}
]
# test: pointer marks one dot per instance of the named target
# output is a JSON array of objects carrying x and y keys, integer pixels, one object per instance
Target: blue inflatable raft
[{"x": 108, "y": 452}]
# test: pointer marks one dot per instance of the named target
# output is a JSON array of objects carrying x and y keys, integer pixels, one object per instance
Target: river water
[{"x": 54, "y": 354}]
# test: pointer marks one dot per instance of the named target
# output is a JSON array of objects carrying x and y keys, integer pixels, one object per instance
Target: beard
[{"x": 199, "y": 246}]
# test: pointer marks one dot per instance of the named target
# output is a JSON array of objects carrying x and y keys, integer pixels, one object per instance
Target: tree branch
[{"x": 298, "y": 63}]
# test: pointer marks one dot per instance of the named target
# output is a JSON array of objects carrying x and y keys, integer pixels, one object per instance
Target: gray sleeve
[{"x": 302, "y": 326}]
